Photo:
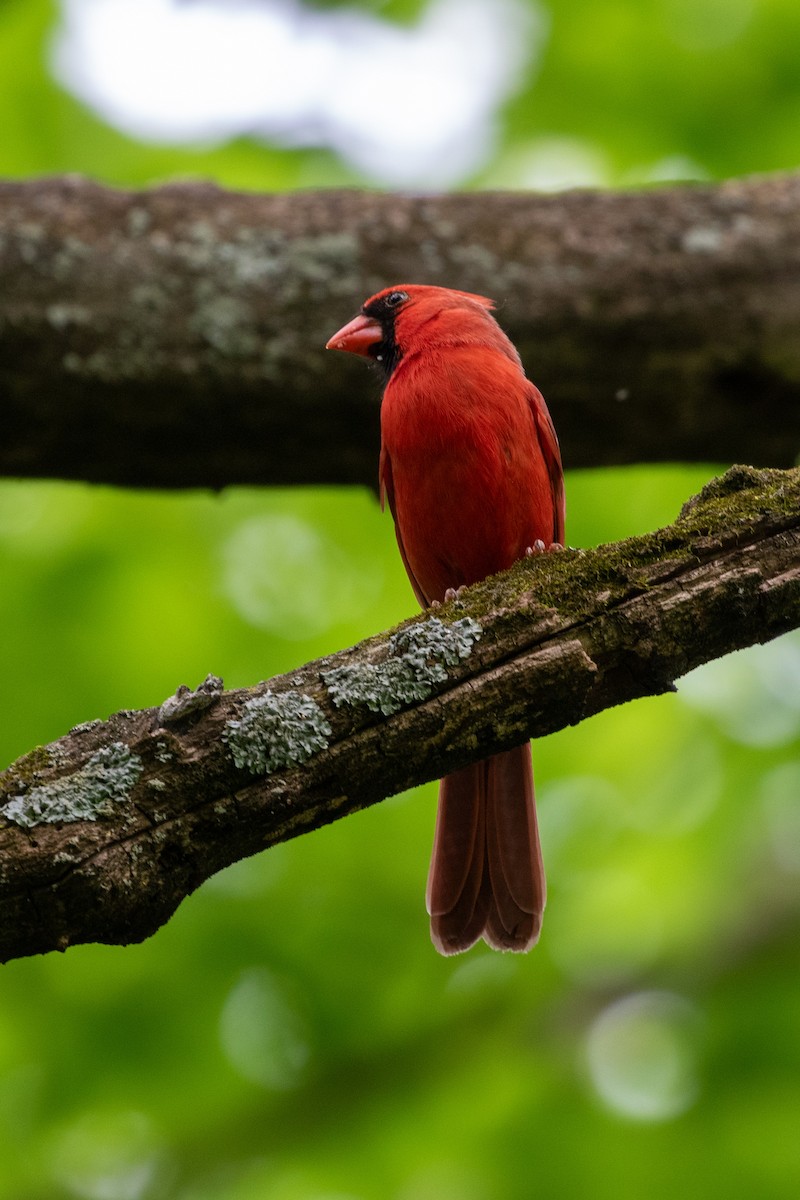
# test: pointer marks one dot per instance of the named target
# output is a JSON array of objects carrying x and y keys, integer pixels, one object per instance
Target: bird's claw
[{"x": 539, "y": 547}]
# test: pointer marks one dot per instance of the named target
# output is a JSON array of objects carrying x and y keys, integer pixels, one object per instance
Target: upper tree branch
[
  {"x": 104, "y": 832},
  {"x": 174, "y": 338}
]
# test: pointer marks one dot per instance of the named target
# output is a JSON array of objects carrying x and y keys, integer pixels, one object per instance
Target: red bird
[{"x": 471, "y": 468}]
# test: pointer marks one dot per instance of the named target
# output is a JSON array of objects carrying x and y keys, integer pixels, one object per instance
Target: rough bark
[
  {"x": 104, "y": 832},
  {"x": 174, "y": 337}
]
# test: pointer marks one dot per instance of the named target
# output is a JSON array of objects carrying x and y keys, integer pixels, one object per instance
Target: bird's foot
[
  {"x": 539, "y": 547},
  {"x": 454, "y": 593}
]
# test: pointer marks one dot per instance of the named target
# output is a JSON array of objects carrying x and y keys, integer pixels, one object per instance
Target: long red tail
[{"x": 487, "y": 876}]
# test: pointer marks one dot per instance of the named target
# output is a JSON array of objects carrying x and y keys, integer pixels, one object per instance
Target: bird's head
[{"x": 402, "y": 319}]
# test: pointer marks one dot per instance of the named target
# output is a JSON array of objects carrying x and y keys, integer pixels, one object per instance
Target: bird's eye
[{"x": 395, "y": 298}]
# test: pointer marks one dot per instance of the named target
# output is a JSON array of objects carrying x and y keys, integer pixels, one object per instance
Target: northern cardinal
[{"x": 471, "y": 468}]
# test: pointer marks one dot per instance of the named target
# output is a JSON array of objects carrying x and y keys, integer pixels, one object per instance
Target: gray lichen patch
[
  {"x": 417, "y": 662},
  {"x": 277, "y": 730},
  {"x": 187, "y": 703},
  {"x": 86, "y": 795},
  {"x": 227, "y": 324},
  {"x": 61, "y": 316},
  {"x": 163, "y": 753},
  {"x": 703, "y": 239}
]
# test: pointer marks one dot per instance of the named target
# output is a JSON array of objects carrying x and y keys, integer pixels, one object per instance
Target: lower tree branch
[
  {"x": 174, "y": 337},
  {"x": 104, "y": 832}
]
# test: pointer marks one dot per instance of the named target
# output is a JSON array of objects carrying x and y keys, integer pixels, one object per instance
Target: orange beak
[{"x": 357, "y": 336}]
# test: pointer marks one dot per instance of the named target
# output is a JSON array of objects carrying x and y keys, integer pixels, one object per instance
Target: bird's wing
[
  {"x": 387, "y": 496},
  {"x": 548, "y": 442}
]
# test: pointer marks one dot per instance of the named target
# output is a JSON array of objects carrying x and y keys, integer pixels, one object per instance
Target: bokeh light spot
[
  {"x": 282, "y": 574},
  {"x": 263, "y": 1033},
  {"x": 552, "y": 164},
  {"x": 642, "y": 1055},
  {"x": 107, "y": 1155},
  {"x": 753, "y": 694}
]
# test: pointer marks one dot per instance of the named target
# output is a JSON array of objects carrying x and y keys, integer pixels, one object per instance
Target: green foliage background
[{"x": 291, "y": 1034}]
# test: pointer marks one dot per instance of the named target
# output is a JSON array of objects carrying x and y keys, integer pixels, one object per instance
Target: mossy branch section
[
  {"x": 175, "y": 794},
  {"x": 174, "y": 337}
]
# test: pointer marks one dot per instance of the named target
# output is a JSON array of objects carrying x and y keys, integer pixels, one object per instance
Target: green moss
[
  {"x": 25, "y": 770},
  {"x": 571, "y": 581},
  {"x": 86, "y": 795},
  {"x": 730, "y": 498},
  {"x": 418, "y": 656}
]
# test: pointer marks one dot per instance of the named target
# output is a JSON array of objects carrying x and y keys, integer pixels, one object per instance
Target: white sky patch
[{"x": 404, "y": 104}]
